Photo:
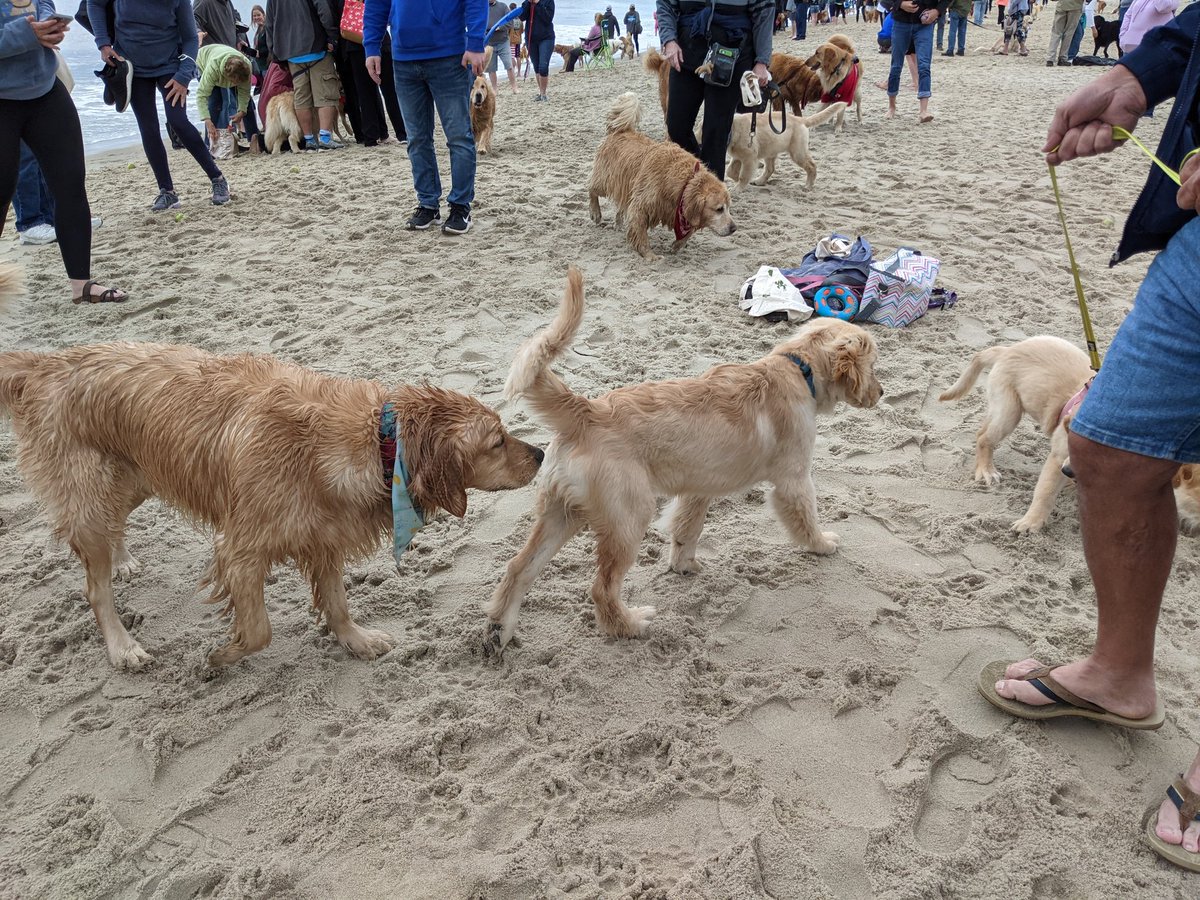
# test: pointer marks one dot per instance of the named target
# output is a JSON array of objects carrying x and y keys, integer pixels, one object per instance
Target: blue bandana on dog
[{"x": 407, "y": 519}]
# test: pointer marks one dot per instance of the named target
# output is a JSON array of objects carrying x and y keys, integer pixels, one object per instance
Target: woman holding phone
[{"x": 35, "y": 107}]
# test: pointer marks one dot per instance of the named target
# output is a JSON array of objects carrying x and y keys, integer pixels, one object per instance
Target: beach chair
[{"x": 601, "y": 57}]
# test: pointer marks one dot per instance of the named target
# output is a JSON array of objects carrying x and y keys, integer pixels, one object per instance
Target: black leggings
[
  {"x": 686, "y": 93},
  {"x": 145, "y": 109},
  {"x": 49, "y": 125},
  {"x": 634, "y": 36},
  {"x": 371, "y": 110}
]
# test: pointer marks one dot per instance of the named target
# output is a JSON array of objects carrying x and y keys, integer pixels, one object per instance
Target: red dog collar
[
  {"x": 1072, "y": 405},
  {"x": 683, "y": 227}
]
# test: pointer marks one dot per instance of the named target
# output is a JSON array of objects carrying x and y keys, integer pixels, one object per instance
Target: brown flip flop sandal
[
  {"x": 1187, "y": 802},
  {"x": 109, "y": 295},
  {"x": 1065, "y": 705}
]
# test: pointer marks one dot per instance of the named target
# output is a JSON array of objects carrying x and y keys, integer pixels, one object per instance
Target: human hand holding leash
[
  {"x": 1188, "y": 196},
  {"x": 373, "y": 68},
  {"x": 1083, "y": 123},
  {"x": 761, "y": 72},
  {"x": 673, "y": 54}
]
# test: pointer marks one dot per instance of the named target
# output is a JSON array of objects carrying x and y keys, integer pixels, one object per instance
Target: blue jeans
[
  {"x": 33, "y": 203},
  {"x": 539, "y": 55},
  {"x": 420, "y": 86},
  {"x": 1146, "y": 398},
  {"x": 958, "y": 29},
  {"x": 920, "y": 38},
  {"x": 941, "y": 28},
  {"x": 1077, "y": 40},
  {"x": 222, "y": 106},
  {"x": 800, "y": 17},
  {"x": 979, "y": 11}
]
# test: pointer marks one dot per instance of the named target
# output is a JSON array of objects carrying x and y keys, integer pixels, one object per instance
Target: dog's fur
[
  {"x": 745, "y": 152},
  {"x": 279, "y": 461},
  {"x": 625, "y": 47},
  {"x": 695, "y": 439},
  {"x": 656, "y": 63},
  {"x": 483, "y": 105},
  {"x": 1187, "y": 496},
  {"x": 799, "y": 85},
  {"x": 871, "y": 15},
  {"x": 832, "y": 61},
  {"x": 1036, "y": 376},
  {"x": 646, "y": 179},
  {"x": 1104, "y": 35},
  {"x": 282, "y": 123},
  {"x": 563, "y": 50}
]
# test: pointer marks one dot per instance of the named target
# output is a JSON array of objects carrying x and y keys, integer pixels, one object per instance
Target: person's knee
[{"x": 1099, "y": 466}]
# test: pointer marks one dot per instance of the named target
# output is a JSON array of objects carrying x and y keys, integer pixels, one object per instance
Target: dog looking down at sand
[{"x": 694, "y": 439}]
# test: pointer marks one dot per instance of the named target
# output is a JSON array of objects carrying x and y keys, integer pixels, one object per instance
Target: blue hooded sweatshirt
[
  {"x": 26, "y": 67},
  {"x": 425, "y": 29},
  {"x": 157, "y": 36}
]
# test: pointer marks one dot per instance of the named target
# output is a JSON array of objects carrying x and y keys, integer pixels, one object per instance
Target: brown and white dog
[
  {"x": 693, "y": 439},
  {"x": 483, "y": 105},
  {"x": 747, "y": 150},
  {"x": 625, "y": 47},
  {"x": 654, "y": 183},
  {"x": 841, "y": 74},
  {"x": 279, "y": 461},
  {"x": 1037, "y": 376}
]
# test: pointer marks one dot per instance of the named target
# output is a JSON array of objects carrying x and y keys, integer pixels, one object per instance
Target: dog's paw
[
  {"x": 639, "y": 619},
  {"x": 125, "y": 568},
  {"x": 131, "y": 657},
  {"x": 829, "y": 545},
  {"x": 367, "y": 643},
  {"x": 1028, "y": 523},
  {"x": 493, "y": 640},
  {"x": 689, "y": 566},
  {"x": 987, "y": 476}
]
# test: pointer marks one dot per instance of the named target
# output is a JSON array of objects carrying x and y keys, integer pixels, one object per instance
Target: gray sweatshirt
[{"x": 762, "y": 18}]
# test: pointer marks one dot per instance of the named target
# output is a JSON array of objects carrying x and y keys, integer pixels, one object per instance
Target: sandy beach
[{"x": 792, "y": 726}]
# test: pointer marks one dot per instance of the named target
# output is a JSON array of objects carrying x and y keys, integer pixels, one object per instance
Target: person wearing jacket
[
  {"x": 1142, "y": 16},
  {"x": 216, "y": 23},
  {"x": 158, "y": 38},
  {"x": 434, "y": 61},
  {"x": 304, "y": 33},
  {"x": 960, "y": 11},
  {"x": 588, "y": 44},
  {"x": 608, "y": 23},
  {"x": 36, "y": 108},
  {"x": 539, "y": 16},
  {"x": 685, "y": 26},
  {"x": 1129, "y": 436},
  {"x": 912, "y": 26},
  {"x": 633, "y": 27},
  {"x": 1014, "y": 26},
  {"x": 224, "y": 68}
]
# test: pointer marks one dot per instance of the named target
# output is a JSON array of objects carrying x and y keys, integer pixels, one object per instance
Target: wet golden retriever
[
  {"x": 1037, "y": 377},
  {"x": 834, "y": 61},
  {"x": 279, "y": 461},
  {"x": 654, "y": 183},
  {"x": 746, "y": 151},
  {"x": 694, "y": 439},
  {"x": 657, "y": 64},
  {"x": 483, "y": 105}
]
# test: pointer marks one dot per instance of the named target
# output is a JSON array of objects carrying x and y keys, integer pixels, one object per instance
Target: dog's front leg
[
  {"x": 243, "y": 582},
  {"x": 638, "y": 234},
  {"x": 795, "y": 503},
  {"x": 678, "y": 245},
  {"x": 1049, "y": 483},
  {"x": 687, "y": 521},
  {"x": 329, "y": 597}
]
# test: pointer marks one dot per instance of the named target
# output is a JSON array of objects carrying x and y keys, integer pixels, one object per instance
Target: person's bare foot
[
  {"x": 882, "y": 85},
  {"x": 1132, "y": 697},
  {"x": 926, "y": 118}
]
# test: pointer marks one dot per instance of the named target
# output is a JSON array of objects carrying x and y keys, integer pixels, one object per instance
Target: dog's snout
[
  {"x": 881, "y": 391},
  {"x": 732, "y": 227},
  {"x": 539, "y": 454}
]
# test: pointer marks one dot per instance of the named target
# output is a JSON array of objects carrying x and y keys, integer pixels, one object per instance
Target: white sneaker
[
  {"x": 97, "y": 222},
  {"x": 39, "y": 234}
]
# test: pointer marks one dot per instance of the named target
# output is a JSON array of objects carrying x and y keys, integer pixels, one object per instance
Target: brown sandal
[
  {"x": 1188, "y": 804},
  {"x": 109, "y": 295},
  {"x": 1065, "y": 703}
]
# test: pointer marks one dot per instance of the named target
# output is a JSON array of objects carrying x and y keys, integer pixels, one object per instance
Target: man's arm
[
  {"x": 1159, "y": 61},
  {"x": 668, "y": 21},
  {"x": 762, "y": 18},
  {"x": 328, "y": 22},
  {"x": 476, "y": 24},
  {"x": 376, "y": 14}
]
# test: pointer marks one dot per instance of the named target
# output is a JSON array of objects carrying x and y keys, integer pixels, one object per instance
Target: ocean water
[{"x": 105, "y": 129}]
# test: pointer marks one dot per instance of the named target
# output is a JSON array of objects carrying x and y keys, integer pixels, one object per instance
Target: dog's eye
[
  {"x": 721, "y": 208},
  {"x": 499, "y": 443}
]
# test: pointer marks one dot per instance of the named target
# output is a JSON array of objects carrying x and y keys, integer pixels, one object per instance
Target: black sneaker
[
  {"x": 117, "y": 78},
  {"x": 422, "y": 218},
  {"x": 459, "y": 221}
]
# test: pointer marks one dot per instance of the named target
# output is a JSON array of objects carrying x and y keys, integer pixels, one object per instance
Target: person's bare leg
[
  {"x": 1129, "y": 522},
  {"x": 891, "y": 113},
  {"x": 328, "y": 117},
  {"x": 512, "y": 78},
  {"x": 925, "y": 115},
  {"x": 543, "y": 83},
  {"x": 495, "y": 81},
  {"x": 912, "y": 69},
  {"x": 305, "y": 118},
  {"x": 1167, "y": 826}
]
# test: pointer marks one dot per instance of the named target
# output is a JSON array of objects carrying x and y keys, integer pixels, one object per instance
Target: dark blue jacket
[
  {"x": 158, "y": 37},
  {"x": 1166, "y": 64}
]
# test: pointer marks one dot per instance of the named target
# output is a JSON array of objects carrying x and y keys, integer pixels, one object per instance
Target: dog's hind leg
[
  {"x": 795, "y": 504},
  {"x": 687, "y": 521},
  {"x": 594, "y": 207},
  {"x": 241, "y": 577},
  {"x": 620, "y": 527},
  {"x": 329, "y": 598},
  {"x": 1049, "y": 483},
  {"x": 94, "y": 548},
  {"x": 555, "y": 526}
]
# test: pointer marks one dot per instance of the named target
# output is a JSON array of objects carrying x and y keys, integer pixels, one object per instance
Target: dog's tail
[
  {"x": 980, "y": 362},
  {"x": 531, "y": 376},
  {"x": 14, "y": 367},
  {"x": 824, "y": 115},
  {"x": 625, "y": 114},
  {"x": 654, "y": 61}
]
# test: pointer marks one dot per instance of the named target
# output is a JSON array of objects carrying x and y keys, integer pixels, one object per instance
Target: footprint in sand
[{"x": 957, "y": 784}]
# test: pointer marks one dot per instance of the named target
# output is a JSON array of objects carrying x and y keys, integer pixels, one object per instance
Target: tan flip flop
[
  {"x": 1065, "y": 703},
  {"x": 1188, "y": 803}
]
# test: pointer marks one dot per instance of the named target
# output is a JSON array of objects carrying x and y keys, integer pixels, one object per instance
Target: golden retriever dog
[
  {"x": 483, "y": 105},
  {"x": 657, "y": 63},
  {"x": 693, "y": 439},
  {"x": 564, "y": 50},
  {"x": 871, "y": 15},
  {"x": 798, "y": 84},
  {"x": 746, "y": 151},
  {"x": 1037, "y": 376},
  {"x": 654, "y": 183},
  {"x": 1187, "y": 496},
  {"x": 282, "y": 123},
  {"x": 279, "y": 461},
  {"x": 834, "y": 62},
  {"x": 625, "y": 47}
]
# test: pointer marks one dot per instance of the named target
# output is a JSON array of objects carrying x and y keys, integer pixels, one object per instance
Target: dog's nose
[
  {"x": 881, "y": 390},
  {"x": 539, "y": 454},
  {"x": 732, "y": 227}
]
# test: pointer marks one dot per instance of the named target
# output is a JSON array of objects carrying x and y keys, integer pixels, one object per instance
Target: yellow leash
[{"x": 1089, "y": 335}]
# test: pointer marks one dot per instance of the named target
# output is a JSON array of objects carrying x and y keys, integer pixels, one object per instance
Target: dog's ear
[
  {"x": 439, "y": 478},
  {"x": 849, "y": 354}
]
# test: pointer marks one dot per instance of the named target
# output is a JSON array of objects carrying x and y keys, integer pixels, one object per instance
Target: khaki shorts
[{"x": 316, "y": 84}]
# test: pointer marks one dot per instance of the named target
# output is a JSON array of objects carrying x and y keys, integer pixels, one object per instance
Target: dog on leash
[
  {"x": 483, "y": 105},
  {"x": 280, "y": 462},
  {"x": 693, "y": 439},
  {"x": 1037, "y": 377},
  {"x": 654, "y": 183},
  {"x": 747, "y": 150},
  {"x": 840, "y": 72}
]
